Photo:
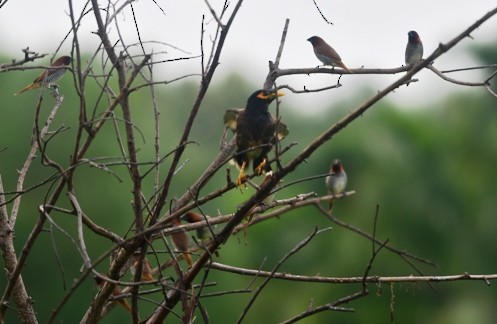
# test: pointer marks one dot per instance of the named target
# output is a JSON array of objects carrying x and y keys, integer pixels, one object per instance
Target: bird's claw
[
  {"x": 55, "y": 90},
  {"x": 241, "y": 177},
  {"x": 260, "y": 168}
]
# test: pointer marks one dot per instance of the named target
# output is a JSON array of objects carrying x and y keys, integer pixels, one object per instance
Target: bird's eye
[{"x": 263, "y": 95}]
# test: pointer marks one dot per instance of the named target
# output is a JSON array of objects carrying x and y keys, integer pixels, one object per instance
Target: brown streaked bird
[
  {"x": 336, "y": 182},
  {"x": 116, "y": 292},
  {"x": 48, "y": 77},
  {"x": 326, "y": 54},
  {"x": 182, "y": 243},
  {"x": 255, "y": 133}
]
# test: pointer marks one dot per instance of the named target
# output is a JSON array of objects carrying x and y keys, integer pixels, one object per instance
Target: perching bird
[
  {"x": 255, "y": 133},
  {"x": 414, "y": 48},
  {"x": 116, "y": 292},
  {"x": 337, "y": 180},
  {"x": 48, "y": 77},
  {"x": 326, "y": 54},
  {"x": 181, "y": 241}
]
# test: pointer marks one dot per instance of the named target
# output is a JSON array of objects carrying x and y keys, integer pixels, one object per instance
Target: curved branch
[{"x": 452, "y": 80}]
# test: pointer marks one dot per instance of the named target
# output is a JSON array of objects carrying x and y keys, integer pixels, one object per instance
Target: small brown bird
[
  {"x": 48, "y": 77},
  {"x": 326, "y": 54},
  {"x": 180, "y": 239},
  {"x": 255, "y": 133},
  {"x": 337, "y": 180},
  {"x": 116, "y": 292}
]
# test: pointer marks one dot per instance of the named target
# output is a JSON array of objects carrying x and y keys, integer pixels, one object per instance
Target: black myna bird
[{"x": 255, "y": 132}]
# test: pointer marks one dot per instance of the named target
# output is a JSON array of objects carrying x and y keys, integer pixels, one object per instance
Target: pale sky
[{"x": 372, "y": 34}]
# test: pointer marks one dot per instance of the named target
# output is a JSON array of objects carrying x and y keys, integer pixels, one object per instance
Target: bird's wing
[
  {"x": 282, "y": 131},
  {"x": 331, "y": 51},
  {"x": 41, "y": 77},
  {"x": 230, "y": 116}
]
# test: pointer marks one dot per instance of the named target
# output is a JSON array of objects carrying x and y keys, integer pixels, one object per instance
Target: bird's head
[
  {"x": 192, "y": 217},
  {"x": 262, "y": 98},
  {"x": 315, "y": 40},
  {"x": 336, "y": 166},
  {"x": 413, "y": 37},
  {"x": 63, "y": 60}
]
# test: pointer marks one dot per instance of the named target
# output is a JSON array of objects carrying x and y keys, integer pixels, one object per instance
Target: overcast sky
[{"x": 372, "y": 34}]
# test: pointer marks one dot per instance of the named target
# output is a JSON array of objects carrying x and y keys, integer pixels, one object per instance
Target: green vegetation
[{"x": 431, "y": 171}]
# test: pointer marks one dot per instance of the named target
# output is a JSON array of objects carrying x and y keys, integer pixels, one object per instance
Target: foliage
[{"x": 423, "y": 184}]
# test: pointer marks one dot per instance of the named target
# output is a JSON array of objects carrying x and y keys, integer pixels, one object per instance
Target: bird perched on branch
[
  {"x": 48, "y": 77},
  {"x": 337, "y": 180},
  {"x": 182, "y": 242},
  {"x": 326, "y": 54},
  {"x": 255, "y": 133},
  {"x": 414, "y": 48}
]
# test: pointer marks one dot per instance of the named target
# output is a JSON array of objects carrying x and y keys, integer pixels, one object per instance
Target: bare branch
[
  {"x": 297, "y": 248},
  {"x": 29, "y": 56},
  {"x": 350, "y": 280},
  {"x": 451, "y": 80},
  {"x": 321, "y": 13}
]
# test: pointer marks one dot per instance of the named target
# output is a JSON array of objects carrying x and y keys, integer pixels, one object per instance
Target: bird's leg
[
  {"x": 188, "y": 259},
  {"x": 241, "y": 175},
  {"x": 55, "y": 89},
  {"x": 330, "y": 205},
  {"x": 260, "y": 167}
]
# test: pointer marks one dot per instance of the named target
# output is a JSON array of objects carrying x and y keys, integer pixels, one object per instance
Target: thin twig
[
  {"x": 297, "y": 248},
  {"x": 351, "y": 280}
]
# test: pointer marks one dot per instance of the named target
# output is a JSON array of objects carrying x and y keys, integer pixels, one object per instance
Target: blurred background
[{"x": 426, "y": 155}]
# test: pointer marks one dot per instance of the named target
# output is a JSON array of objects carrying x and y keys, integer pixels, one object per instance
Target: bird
[
  {"x": 116, "y": 292},
  {"x": 414, "y": 48},
  {"x": 336, "y": 181},
  {"x": 48, "y": 77},
  {"x": 255, "y": 133},
  {"x": 326, "y": 54},
  {"x": 181, "y": 241}
]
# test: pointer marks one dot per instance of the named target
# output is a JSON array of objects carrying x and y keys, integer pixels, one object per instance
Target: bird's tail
[
  {"x": 33, "y": 85},
  {"x": 343, "y": 66},
  {"x": 147, "y": 276},
  {"x": 188, "y": 258},
  {"x": 330, "y": 205},
  {"x": 124, "y": 303}
]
